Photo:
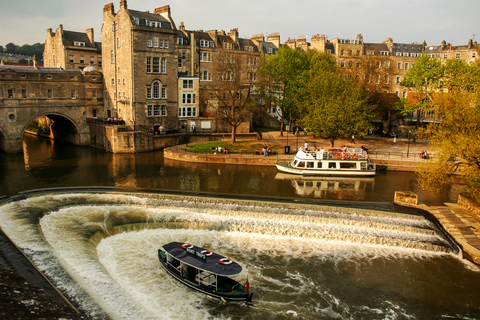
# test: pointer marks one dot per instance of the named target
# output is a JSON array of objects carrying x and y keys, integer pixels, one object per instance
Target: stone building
[
  {"x": 202, "y": 54},
  {"x": 468, "y": 53},
  {"x": 140, "y": 69},
  {"x": 72, "y": 50}
]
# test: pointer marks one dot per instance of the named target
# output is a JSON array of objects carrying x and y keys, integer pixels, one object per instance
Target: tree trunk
[
  {"x": 234, "y": 133},
  {"x": 332, "y": 142}
]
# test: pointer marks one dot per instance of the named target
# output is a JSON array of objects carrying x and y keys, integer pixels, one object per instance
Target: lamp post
[{"x": 408, "y": 145}]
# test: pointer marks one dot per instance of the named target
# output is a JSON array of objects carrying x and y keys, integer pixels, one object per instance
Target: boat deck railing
[{"x": 337, "y": 153}]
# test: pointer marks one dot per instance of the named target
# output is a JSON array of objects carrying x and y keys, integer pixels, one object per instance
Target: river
[{"x": 311, "y": 248}]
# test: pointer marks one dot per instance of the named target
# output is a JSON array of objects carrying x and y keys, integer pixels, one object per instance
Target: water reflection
[
  {"x": 47, "y": 164},
  {"x": 342, "y": 188}
]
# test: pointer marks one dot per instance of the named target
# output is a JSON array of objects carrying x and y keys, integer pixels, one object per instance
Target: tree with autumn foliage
[
  {"x": 424, "y": 79},
  {"x": 455, "y": 138}
]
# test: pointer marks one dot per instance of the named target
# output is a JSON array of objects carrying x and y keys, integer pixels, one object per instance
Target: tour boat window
[
  {"x": 310, "y": 164},
  {"x": 332, "y": 165},
  {"x": 301, "y": 164},
  {"x": 319, "y": 165},
  {"x": 348, "y": 165}
]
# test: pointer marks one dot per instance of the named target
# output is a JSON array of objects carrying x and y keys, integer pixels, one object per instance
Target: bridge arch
[{"x": 62, "y": 127}]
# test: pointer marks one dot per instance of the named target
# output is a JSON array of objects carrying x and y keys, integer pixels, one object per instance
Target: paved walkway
[
  {"x": 374, "y": 144},
  {"x": 462, "y": 226}
]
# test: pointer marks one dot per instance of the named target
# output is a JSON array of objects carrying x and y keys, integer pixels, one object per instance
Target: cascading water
[{"x": 307, "y": 261}]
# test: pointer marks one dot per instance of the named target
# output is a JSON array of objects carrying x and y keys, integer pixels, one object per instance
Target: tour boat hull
[
  {"x": 329, "y": 162},
  {"x": 226, "y": 289},
  {"x": 287, "y": 168}
]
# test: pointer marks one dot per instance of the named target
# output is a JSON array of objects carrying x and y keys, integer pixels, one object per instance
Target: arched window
[{"x": 156, "y": 90}]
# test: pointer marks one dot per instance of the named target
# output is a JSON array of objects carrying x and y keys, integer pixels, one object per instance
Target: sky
[{"x": 405, "y": 21}]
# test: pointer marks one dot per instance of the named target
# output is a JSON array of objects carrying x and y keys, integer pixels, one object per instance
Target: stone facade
[
  {"x": 72, "y": 50},
  {"x": 140, "y": 71},
  {"x": 65, "y": 96}
]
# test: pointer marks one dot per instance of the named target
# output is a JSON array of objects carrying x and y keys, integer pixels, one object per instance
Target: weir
[{"x": 106, "y": 242}]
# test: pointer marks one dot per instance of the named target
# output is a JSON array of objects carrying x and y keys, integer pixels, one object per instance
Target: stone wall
[{"x": 469, "y": 205}]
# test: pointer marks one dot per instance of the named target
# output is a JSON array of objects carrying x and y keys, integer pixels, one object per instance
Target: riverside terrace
[{"x": 380, "y": 151}]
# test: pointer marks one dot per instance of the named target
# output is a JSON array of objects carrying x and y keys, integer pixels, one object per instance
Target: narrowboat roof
[{"x": 193, "y": 257}]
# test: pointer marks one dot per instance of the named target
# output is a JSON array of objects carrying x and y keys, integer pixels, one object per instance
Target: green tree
[
  {"x": 279, "y": 73},
  {"x": 10, "y": 47},
  {"x": 455, "y": 139},
  {"x": 333, "y": 106},
  {"x": 424, "y": 78}
]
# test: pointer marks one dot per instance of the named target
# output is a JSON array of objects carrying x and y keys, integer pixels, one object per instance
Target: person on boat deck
[
  {"x": 306, "y": 146},
  {"x": 364, "y": 150}
]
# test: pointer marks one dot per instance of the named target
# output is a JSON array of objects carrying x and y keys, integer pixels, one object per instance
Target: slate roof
[
  {"x": 69, "y": 37},
  {"x": 377, "y": 48},
  {"x": 247, "y": 43},
  {"x": 144, "y": 16}
]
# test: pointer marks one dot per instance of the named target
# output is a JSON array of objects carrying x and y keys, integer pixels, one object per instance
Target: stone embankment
[
  {"x": 460, "y": 220},
  {"x": 401, "y": 157}
]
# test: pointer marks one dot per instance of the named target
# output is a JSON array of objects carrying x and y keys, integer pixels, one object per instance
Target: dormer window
[
  {"x": 180, "y": 41},
  {"x": 79, "y": 44},
  {"x": 227, "y": 45},
  {"x": 136, "y": 21},
  {"x": 249, "y": 48},
  {"x": 206, "y": 43}
]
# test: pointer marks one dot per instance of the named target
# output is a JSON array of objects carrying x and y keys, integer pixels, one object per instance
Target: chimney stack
[
  {"x": 123, "y": 4},
  {"x": 90, "y": 36},
  {"x": 108, "y": 8}
]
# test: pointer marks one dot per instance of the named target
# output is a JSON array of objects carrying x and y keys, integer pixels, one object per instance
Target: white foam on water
[{"x": 123, "y": 275}]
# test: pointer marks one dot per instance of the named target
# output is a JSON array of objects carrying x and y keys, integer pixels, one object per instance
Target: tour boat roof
[{"x": 192, "y": 257}]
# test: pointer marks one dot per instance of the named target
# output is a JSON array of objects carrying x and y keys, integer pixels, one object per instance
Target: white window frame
[
  {"x": 188, "y": 84},
  {"x": 186, "y": 112},
  {"x": 163, "y": 65},
  {"x": 156, "y": 89},
  {"x": 189, "y": 98},
  {"x": 156, "y": 65}
]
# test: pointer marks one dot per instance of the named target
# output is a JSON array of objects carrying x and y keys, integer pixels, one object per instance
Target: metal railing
[{"x": 403, "y": 156}]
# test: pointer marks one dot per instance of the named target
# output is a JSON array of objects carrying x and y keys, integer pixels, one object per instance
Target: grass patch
[{"x": 244, "y": 147}]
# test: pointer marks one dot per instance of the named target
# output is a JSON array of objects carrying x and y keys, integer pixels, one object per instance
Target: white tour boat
[{"x": 330, "y": 161}]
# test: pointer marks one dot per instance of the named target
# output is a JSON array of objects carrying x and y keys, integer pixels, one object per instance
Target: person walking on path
[
  {"x": 353, "y": 139},
  {"x": 394, "y": 144}
]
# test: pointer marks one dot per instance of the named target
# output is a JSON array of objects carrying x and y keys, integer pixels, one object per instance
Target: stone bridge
[{"x": 66, "y": 97}]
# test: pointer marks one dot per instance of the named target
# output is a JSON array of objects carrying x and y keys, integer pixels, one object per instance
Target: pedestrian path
[{"x": 462, "y": 226}]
